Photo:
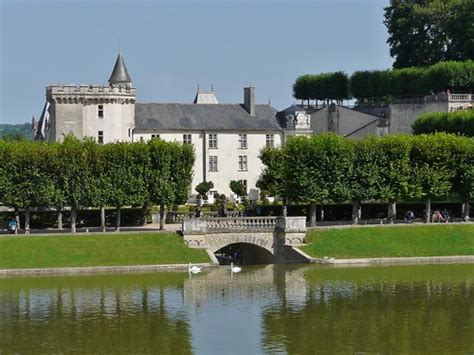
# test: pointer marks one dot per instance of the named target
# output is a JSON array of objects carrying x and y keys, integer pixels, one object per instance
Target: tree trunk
[
  {"x": 465, "y": 211},
  {"x": 73, "y": 219},
  {"x": 145, "y": 213},
  {"x": 17, "y": 220},
  {"x": 60, "y": 217},
  {"x": 162, "y": 217},
  {"x": 392, "y": 212},
  {"x": 313, "y": 215},
  {"x": 27, "y": 220},
  {"x": 355, "y": 212},
  {"x": 428, "y": 210},
  {"x": 321, "y": 214},
  {"x": 117, "y": 219},
  {"x": 102, "y": 218}
]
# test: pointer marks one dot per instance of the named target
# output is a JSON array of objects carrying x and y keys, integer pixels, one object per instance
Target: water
[{"x": 266, "y": 309}]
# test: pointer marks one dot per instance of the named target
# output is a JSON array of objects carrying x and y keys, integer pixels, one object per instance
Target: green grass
[
  {"x": 96, "y": 250},
  {"x": 391, "y": 241}
]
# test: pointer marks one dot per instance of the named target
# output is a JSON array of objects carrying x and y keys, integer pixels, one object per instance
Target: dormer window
[{"x": 100, "y": 111}]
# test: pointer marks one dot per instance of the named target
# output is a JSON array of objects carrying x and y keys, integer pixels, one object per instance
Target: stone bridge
[{"x": 278, "y": 236}]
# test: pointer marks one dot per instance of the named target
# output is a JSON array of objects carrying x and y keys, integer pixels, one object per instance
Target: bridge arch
[
  {"x": 219, "y": 241},
  {"x": 244, "y": 253}
]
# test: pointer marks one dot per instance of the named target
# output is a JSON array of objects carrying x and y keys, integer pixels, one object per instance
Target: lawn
[
  {"x": 391, "y": 241},
  {"x": 96, "y": 250}
]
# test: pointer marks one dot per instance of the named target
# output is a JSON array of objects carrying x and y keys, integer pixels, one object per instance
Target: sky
[{"x": 170, "y": 47}]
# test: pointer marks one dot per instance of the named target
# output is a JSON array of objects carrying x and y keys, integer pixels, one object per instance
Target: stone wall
[{"x": 403, "y": 115}]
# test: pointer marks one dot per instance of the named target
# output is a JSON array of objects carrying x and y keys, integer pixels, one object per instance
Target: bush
[{"x": 460, "y": 122}]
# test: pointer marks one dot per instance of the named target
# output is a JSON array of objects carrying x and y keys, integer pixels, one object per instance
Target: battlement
[{"x": 86, "y": 90}]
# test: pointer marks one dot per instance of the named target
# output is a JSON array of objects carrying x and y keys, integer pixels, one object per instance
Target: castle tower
[
  {"x": 103, "y": 112},
  {"x": 120, "y": 75}
]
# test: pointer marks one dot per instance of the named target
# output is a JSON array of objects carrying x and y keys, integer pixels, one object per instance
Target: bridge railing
[
  {"x": 209, "y": 225},
  {"x": 240, "y": 224}
]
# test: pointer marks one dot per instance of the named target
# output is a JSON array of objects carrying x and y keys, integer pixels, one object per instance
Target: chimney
[{"x": 249, "y": 100}]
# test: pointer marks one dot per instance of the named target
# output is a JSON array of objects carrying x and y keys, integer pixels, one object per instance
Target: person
[
  {"x": 197, "y": 212},
  {"x": 437, "y": 216},
  {"x": 12, "y": 225},
  {"x": 409, "y": 216},
  {"x": 445, "y": 214}
]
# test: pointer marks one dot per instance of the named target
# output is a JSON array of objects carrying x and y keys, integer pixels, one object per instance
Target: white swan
[
  {"x": 194, "y": 269},
  {"x": 234, "y": 269}
]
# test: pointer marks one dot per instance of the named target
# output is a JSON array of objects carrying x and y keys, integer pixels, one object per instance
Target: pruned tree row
[
  {"x": 78, "y": 174},
  {"x": 375, "y": 86},
  {"x": 328, "y": 168}
]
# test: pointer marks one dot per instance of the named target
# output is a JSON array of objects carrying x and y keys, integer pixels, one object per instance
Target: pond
[{"x": 271, "y": 309}]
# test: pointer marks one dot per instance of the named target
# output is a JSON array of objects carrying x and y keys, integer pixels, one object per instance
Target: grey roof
[
  {"x": 119, "y": 74},
  {"x": 164, "y": 116}
]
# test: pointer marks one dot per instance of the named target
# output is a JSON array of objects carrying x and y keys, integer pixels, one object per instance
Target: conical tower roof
[{"x": 120, "y": 74}]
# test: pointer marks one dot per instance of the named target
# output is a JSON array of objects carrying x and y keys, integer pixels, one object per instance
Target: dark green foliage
[
  {"x": 460, "y": 122},
  {"x": 378, "y": 86},
  {"x": 316, "y": 168},
  {"x": 330, "y": 169},
  {"x": 324, "y": 86},
  {"x": 203, "y": 188},
  {"x": 425, "y": 32},
  {"x": 237, "y": 188},
  {"x": 76, "y": 174},
  {"x": 371, "y": 86},
  {"x": 271, "y": 179}
]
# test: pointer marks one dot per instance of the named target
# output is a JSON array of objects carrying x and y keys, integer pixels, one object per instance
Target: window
[
  {"x": 187, "y": 139},
  {"x": 100, "y": 137},
  {"x": 243, "y": 141},
  {"x": 100, "y": 111},
  {"x": 129, "y": 132},
  {"x": 269, "y": 140},
  {"x": 212, "y": 163},
  {"x": 155, "y": 136},
  {"x": 213, "y": 141},
  {"x": 242, "y": 163},
  {"x": 141, "y": 139}
]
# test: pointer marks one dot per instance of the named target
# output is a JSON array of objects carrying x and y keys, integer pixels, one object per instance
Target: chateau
[{"x": 227, "y": 138}]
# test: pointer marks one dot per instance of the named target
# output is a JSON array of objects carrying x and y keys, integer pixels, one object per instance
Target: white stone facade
[
  {"x": 230, "y": 165},
  {"x": 85, "y": 111}
]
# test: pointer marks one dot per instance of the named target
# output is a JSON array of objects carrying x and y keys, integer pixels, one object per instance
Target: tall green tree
[
  {"x": 425, "y": 32},
  {"x": 126, "y": 173},
  {"x": 464, "y": 179},
  {"x": 396, "y": 175},
  {"x": 160, "y": 186},
  {"x": 365, "y": 178},
  {"x": 316, "y": 170},
  {"x": 270, "y": 181},
  {"x": 75, "y": 175},
  {"x": 25, "y": 182},
  {"x": 434, "y": 167}
]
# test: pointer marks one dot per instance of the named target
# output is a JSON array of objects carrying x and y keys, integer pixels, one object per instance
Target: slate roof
[
  {"x": 174, "y": 116},
  {"x": 119, "y": 74}
]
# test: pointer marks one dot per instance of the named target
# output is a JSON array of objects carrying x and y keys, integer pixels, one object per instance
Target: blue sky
[{"x": 170, "y": 47}]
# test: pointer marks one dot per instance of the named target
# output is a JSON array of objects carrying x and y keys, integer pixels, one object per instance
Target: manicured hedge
[
  {"x": 460, "y": 122},
  {"x": 381, "y": 85}
]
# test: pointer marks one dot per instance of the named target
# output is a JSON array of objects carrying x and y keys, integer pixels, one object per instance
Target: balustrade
[{"x": 240, "y": 224}]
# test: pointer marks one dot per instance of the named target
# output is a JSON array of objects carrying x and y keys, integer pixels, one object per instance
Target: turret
[{"x": 119, "y": 76}]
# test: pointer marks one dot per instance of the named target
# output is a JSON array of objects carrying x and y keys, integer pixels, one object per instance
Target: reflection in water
[{"x": 273, "y": 309}]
